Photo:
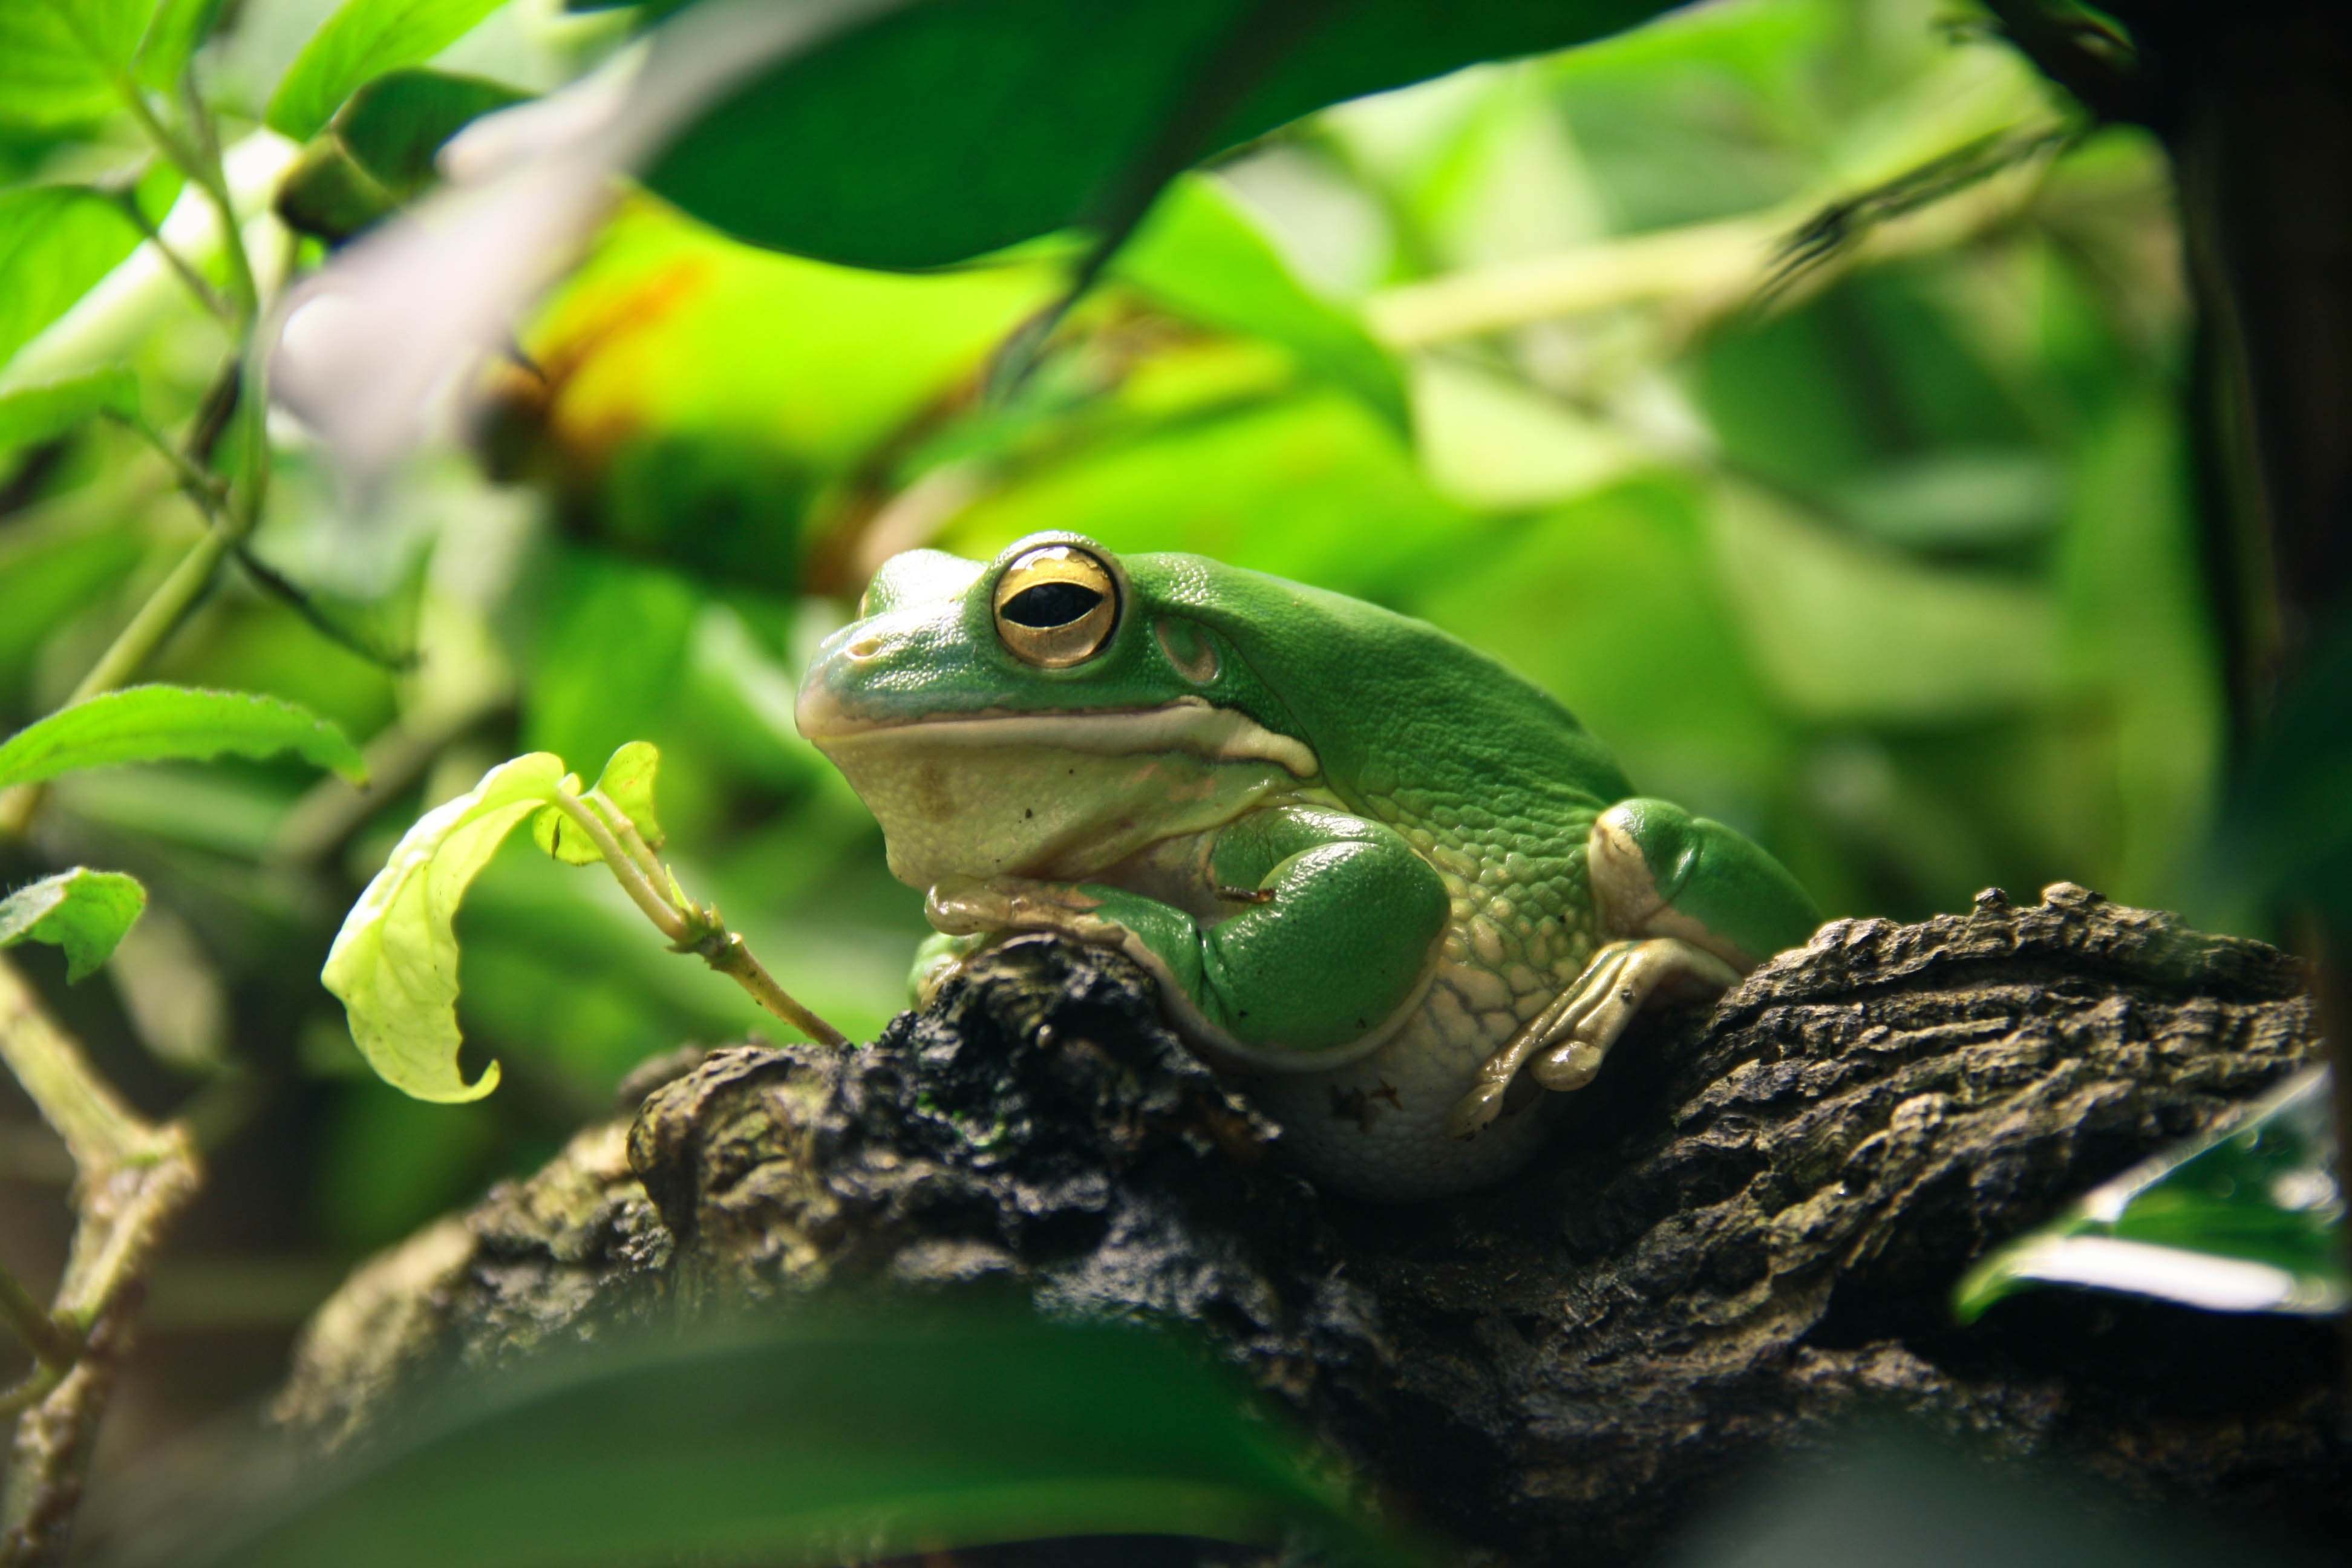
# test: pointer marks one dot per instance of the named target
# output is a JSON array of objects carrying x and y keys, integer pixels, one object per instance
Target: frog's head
[{"x": 1049, "y": 712}]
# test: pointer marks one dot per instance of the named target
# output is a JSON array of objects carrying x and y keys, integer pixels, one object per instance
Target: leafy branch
[{"x": 394, "y": 961}]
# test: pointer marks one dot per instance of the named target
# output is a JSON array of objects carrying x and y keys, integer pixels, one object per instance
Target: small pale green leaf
[
  {"x": 159, "y": 723},
  {"x": 627, "y": 782},
  {"x": 395, "y": 962},
  {"x": 360, "y": 42},
  {"x": 45, "y": 412},
  {"x": 2247, "y": 1219},
  {"x": 83, "y": 911},
  {"x": 558, "y": 835}
]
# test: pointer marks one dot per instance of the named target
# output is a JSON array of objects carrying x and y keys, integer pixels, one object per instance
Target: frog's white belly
[{"x": 1377, "y": 1127}]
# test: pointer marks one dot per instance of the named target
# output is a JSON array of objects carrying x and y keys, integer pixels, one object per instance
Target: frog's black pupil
[{"x": 1050, "y": 605}]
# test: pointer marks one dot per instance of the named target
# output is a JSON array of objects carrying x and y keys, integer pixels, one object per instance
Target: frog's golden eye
[{"x": 1057, "y": 607}]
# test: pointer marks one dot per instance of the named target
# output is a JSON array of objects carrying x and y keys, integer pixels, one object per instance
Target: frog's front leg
[
  {"x": 1695, "y": 905},
  {"x": 1335, "y": 929}
]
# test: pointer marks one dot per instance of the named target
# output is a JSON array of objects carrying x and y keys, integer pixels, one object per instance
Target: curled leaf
[
  {"x": 627, "y": 782},
  {"x": 162, "y": 724},
  {"x": 626, "y": 785},
  {"x": 395, "y": 962},
  {"x": 84, "y": 911}
]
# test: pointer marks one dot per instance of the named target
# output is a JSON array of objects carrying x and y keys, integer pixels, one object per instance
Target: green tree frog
[{"x": 1390, "y": 888}]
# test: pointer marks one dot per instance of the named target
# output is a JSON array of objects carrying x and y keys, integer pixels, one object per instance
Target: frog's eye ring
[{"x": 1057, "y": 607}]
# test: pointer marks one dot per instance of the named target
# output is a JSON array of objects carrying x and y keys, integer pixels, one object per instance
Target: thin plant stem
[
  {"x": 50, "y": 1345},
  {"x": 698, "y": 931},
  {"x": 625, "y": 832},
  {"x": 204, "y": 488},
  {"x": 210, "y": 297},
  {"x": 724, "y": 951},
  {"x": 131, "y": 1180},
  {"x": 642, "y": 892}
]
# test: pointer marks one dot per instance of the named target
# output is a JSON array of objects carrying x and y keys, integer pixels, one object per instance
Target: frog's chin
[{"x": 1058, "y": 797}]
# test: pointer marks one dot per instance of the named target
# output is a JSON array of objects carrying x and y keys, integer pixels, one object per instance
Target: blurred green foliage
[{"x": 1885, "y": 562}]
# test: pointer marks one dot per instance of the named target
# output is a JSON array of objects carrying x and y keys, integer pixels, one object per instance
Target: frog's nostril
[{"x": 865, "y": 648}]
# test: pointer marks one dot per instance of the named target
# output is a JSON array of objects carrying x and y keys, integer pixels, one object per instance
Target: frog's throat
[{"x": 1188, "y": 724}]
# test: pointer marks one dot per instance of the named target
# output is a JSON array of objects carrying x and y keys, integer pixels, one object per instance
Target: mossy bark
[{"x": 1744, "y": 1235}]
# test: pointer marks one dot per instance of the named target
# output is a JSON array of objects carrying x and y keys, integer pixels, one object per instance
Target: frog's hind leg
[
  {"x": 1696, "y": 906},
  {"x": 1563, "y": 1047}
]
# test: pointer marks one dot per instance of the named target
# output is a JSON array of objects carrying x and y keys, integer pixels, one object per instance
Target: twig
[
  {"x": 42, "y": 1334},
  {"x": 211, "y": 298},
  {"x": 698, "y": 930},
  {"x": 627, "y": 871},
  {"x": 132, "y": 1181}
]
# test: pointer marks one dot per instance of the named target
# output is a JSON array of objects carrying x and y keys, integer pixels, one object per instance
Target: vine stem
[
  {"x": 131, "y": 1180},
  {"x": 695, "y": 929}
]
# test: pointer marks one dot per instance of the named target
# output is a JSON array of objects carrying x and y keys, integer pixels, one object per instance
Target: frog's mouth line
[{"x": 1187, "y": 724}]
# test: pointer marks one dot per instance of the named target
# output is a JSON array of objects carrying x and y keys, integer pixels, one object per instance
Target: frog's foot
[
  {"x": 939, "y": 958},
  {"x": 970, "y": 906},
  {"x": 1562, "y": 1047}
]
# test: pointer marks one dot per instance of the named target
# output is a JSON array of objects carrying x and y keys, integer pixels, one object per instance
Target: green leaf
[
  {"x": 55, "y": 242},
  {"x": 395, "y": 962},
  {"x": 42, "y": 412},
  {"x": 159, "y": 723},
  {"x": 2249, "y": 1219},
  {"x": 58, "y": 59},
  {"x": 84, "y": 911},
  {"x": 360, "y": 42},
  {"x": 932, "y": 134},
  {"x": 628, "y": 783},
  {"x": 1200, "y": 257},
  {"x": 377, "y": 153},
  {"x": 829, "y": 1438},
  {"x": 558, "y": 835},
  {"x": 174, "y": 34}
]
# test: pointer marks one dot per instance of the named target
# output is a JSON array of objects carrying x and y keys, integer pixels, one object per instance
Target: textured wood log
[{"x": 1742, "y": 1236}]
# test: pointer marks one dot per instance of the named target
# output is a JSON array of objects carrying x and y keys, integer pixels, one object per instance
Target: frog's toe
[
  {"x": 1570, "y": 1066},
  {"x": 1476, "y": 1109}
]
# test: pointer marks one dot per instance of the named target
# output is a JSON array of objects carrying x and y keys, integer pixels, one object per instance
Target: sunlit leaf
[
  {"x": 84, "y": 911},
  {"x": 55, "y": 408},
  {"x": 158, "y": 723},
  {"x": 1200, "y": 257},
  {"x": 820, "y": 1439},
  {"x": 58, "y": 59},
  {"x": 377, "y": 153},
  {"x": 627, "y": 782},
  {"x": 2247, "y": 1219},
  {"x": 558, "y": 835},
  {"x": 1083, "y": 109},
  {"x": 395, "y": 962},
  {"x": 362, "y": 41}
]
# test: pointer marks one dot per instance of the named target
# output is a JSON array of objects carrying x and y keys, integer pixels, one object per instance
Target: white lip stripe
[{"x": 1187, "y": 725}]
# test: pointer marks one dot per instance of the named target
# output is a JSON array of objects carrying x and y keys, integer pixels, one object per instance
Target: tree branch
[{"x": 133, "y": 1180}]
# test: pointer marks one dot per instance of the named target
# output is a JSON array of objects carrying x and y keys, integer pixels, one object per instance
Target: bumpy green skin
[{"x": 1359, "y": 939}]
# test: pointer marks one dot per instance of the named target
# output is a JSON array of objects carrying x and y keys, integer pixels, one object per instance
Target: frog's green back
[{"x": 1405, "y": 718}]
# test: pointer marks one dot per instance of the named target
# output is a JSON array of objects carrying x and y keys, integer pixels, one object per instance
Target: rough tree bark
[{"x": 1743, "y": 1236}]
